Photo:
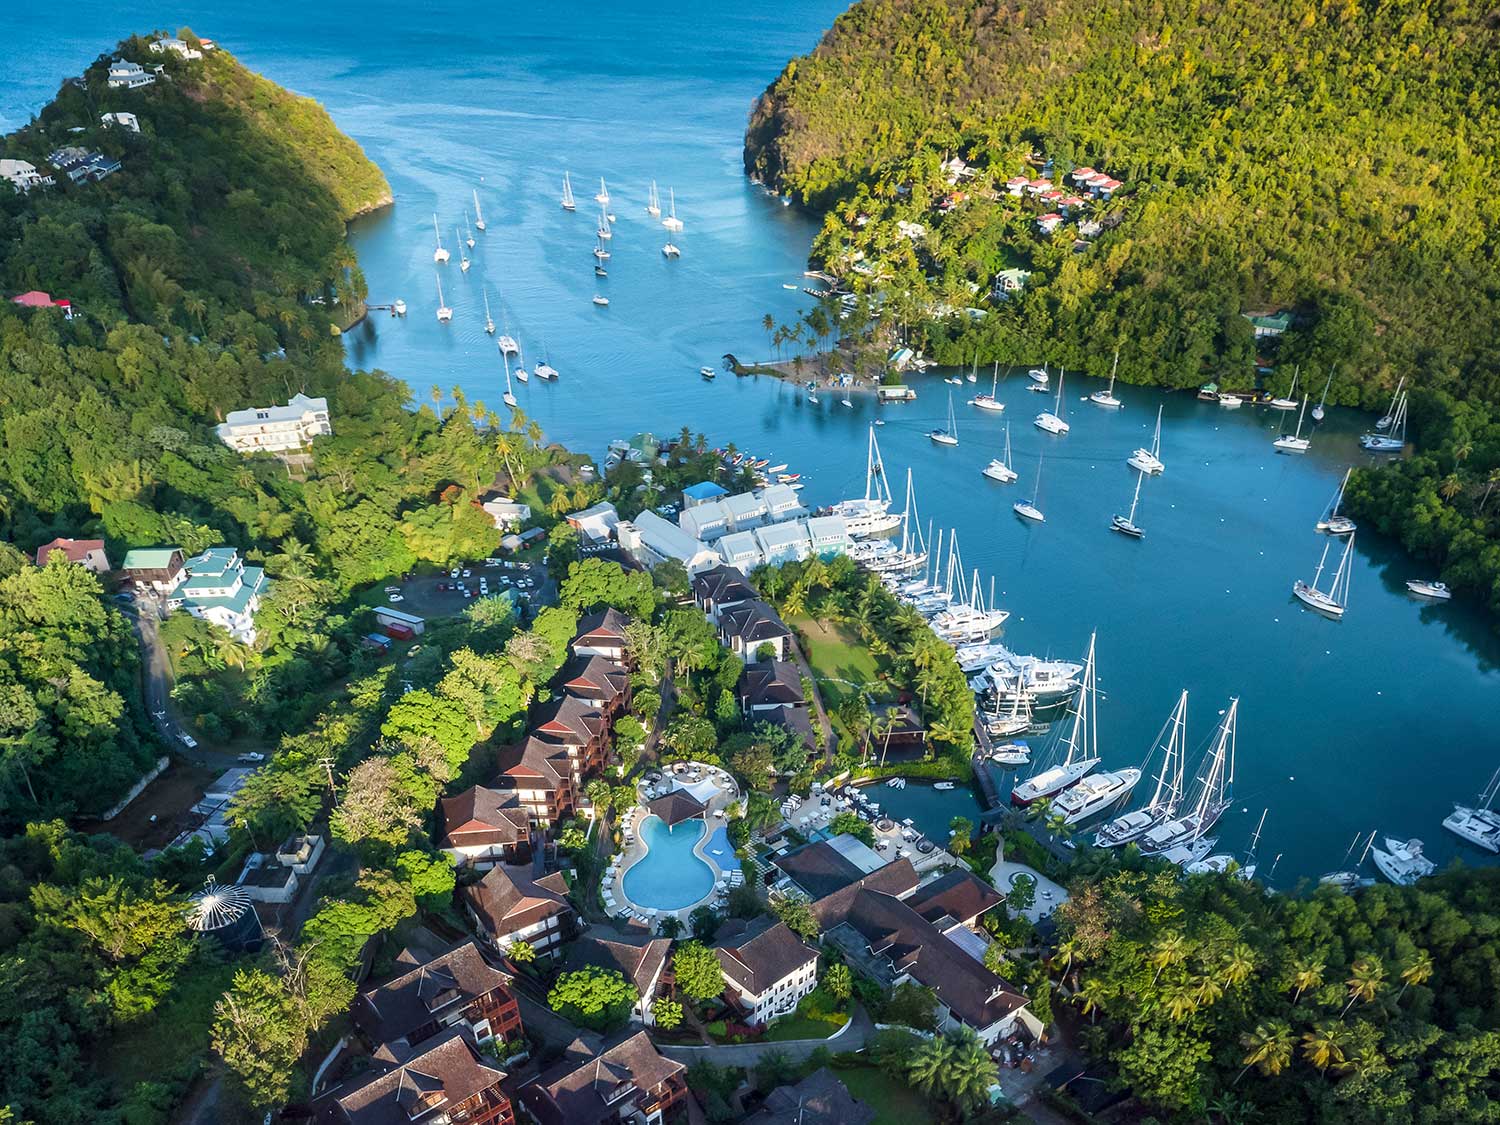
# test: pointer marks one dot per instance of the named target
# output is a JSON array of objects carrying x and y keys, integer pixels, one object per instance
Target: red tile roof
[{"x": 75, "y": 549}]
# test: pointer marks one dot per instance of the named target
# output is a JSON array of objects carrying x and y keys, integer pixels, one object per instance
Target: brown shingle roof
[
  {"x": 958, "y": 895},
  {"x": 818, "y": 868},
  {"x": 570, "y": 720},
  {"x": 423, "y": 991},
  {"x": 444, "y": 1071},
  {"x": 897, "y": 878},
  {"x": 535, "y": 758},
  {"x": 722, "y": 585},
  {"x": 579, "y": 1090},
  {"x": 754, "y": 964},
  {"x": 595, "y": 677},
  {"x": 676, "y": 806},
  {"x": 819, "y": 1099},
  {"x": 605, "y": 625},
  {"x": 508, "y": 898},
  {"x": 771, "y": 681},
  {"x": 754, "y": 623},
  {"x": 479, "y": 816},
  {"x": 639, "y": 961}
]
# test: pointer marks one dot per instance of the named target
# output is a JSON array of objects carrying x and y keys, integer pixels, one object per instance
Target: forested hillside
[{"x": 1337, "y": 160}]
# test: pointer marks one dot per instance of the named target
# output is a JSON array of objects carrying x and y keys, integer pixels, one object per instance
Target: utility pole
[{"x": 327, "y": 764}]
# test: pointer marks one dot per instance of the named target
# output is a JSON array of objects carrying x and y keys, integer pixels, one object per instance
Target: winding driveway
[{"x": 854, "y": 1035}]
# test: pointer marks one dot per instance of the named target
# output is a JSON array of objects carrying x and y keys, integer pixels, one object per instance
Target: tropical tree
[
  {"x": 666, "y": 1013},
  {"x": 1417, "y": 970},
  {"x": 838, "y": 981},
  {"x": 1320, "y": 1046},
  {"x": 521, "y": 952},
  {"x": 1268, "y": 1048},
  {"x": 1366, "y": 978},
  {"x": 1307, "y": 976},
  {"x": 698, "y": 971}
]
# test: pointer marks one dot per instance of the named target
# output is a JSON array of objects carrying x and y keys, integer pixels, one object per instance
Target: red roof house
[{"x": 87, "y": 553}]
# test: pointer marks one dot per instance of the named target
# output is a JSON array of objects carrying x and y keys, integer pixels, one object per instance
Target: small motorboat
[
  {"x": 600, "y": 271},
  {"x": 707, "y": 372},
  {"x": 1011, "y": 754},
  {"x": 1039, "y": 376},
  {"x": 1231, "y": 402},
  {"x": 601, "y": 301},
  {"x": 1424, "y": 588},
  {"x": 944, "y": 786}
]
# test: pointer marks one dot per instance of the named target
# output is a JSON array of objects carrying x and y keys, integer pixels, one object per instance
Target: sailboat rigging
[
  {"x": 1082, "y": 756},
  {"x": 1332, "y": 521},
  {"x": 1149, "y": 460},
  {"x": 567, "y": 196},
  {"x": 1214, "y": 795},
  {"x": 1295, "y": 442},
  {"x": 1052, "y": 420},
  {"x": 989, "y": 401},
  {"x": 1126, "y": 525},
  {"x": 653, "y": 202},
  {"x": 1169, "y": 785},
  {"x": 1335, "y": 599},
  {"x": 1000, "y": 468},
  {"x": 478, "y": 214},
  {"x": 1027, "y": 509},
  {"x": 444, "y": 313},
  {"x": 1317, "y": 411},
  {"x": 1107, "y": 397},
  {"x": 440, "y": 255},
  {"x": 947, "y": 436}
]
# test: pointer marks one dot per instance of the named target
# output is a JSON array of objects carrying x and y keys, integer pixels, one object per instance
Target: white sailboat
[
  {"x": 672, "y": 222},
  {"x": 1000, "y": 468},
  {"x": 670, "y": 249},
  {"x": 1295, "y": 442},
  {"x": 871, "y": 514},
  {"x": 463, "y": 259},
  {"x": 1107, "y": 397},
  {"x": 1098, "y": 790},
  {"x": 1006, "y": 725},
  {"x": 1223, "y": 863},
  {"x": 1402, "y": 862},
  {"x": 602, "y": 198},
  {"x": 507, "y": 343},
  {"x": 567, "y": 196},
  {"x": 1214, "y": 795},
  {"x": 948, "y": 436},
  {"x": 510, "y": 394},
  {"x": 444, "y": 313},
  {"x": 1027, "y": 509},
  {"x": 1348, "y": 879},
  {"x": 1331, "y": 521},
  {"x": 522, "y": 375},
  {"x": 653, "y": 202},
  {"x": 990, "y": 402},
  {"x": 1126, "y": 525},
  {"x": 1149, "y": 460},
  {"x": 1393, "y": 441},
  {"x": 1289, "y": 400},
  {"x": 1479, "y": 825},
  {"x": 603, "y": 230},
  {"x": 1335, "y": 599},
  {"x": 545, "y": 370},
  {"x": 478, "y": 214},
  {"x": 1082, "y": 756},
  {"x": 489, "y": 321},
  {"x": 1052, "y": 420},
  {"x": 468, "y": 234},
  {"x": 1385, "y": 421},
  {"x": 440, "y": 255},
  {"x": 1322, "y": 402},
  {"x": 1169, "y": 785},
  {"x": 600, "y": 252}
]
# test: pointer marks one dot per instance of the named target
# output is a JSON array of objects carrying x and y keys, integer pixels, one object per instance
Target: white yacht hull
[
  {"x": 1145, "y": 461},
  {"x": 1094, "y": 794},
  {"x": 1051, "y": 782},
  {"x": 1480, "y": 827},
  {"x": 999, "y": 471}
]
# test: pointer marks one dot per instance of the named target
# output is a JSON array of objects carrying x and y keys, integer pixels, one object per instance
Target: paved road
[
  {"x": 855, "y": 1034},
  {"x": 156, "y": 683}
]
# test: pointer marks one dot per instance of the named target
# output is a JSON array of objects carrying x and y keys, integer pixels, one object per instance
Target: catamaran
[
  {"x": 510, "y": 394},
  {"x": 1335, "y": 599},
  {"x": 463, "y": 259},
  {"x": 1479, "y": 825},
  {"x": 444, "y": 313},
  {"x": 1318, "y": 410},
  {"x": 670, "y": 249},
  {"x": 1331, "y": 521},
  {"x": 478, "y": 214},
  {"x": 653, "y": 202},
  {"x": 1079, "y": 761},
  {"x": 1149, "y": 460},
  {"x": 990, "y": 402},
  {"x": 1107, "y": 397},
  {"x": 1385, "y": 421},
  {"x": 507, "y": 344},
  {"x": 1402, "y": 862},
  {"x": 870, "y": 514},
  {"x": 489, "y": 322},
  {"x": 602, "y": 198},
  {"x": 1289, "y": 400},
  {"x": 1214, "y": 795},
  {"x": 439, "y": 255},
  {"x": 468, "y": 234},
  {"x": 567, "y": 196},
  {"x": 1052, "y": 420},
  {"x": 545, "y": 370},
  {"x": 1295, "y": 442},
  {"x": 1393, "y": 441},
  {"x": 948, "y": 436},
  {"x": 1000, "y": 468},
  {"x": 1163, "y": 804},
  {"x": 1126, "y": 525},
  {"x": 1027, "y": 509},
  {"x": 672, "y": 222}
]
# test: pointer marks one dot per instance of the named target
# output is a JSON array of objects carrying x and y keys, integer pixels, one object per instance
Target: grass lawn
[
  {"x": 836, "y": 655},
  {"x": 799, "y": 1027},
  {"x": 894, "y": 1102}
]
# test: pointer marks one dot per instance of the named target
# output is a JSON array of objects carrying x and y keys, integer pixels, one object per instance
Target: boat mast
[
  {"x": 1082, "y": 732},
  {"x": 1339, "y": 591},
  {"x": 1136, "y": 499},
  {"x": 995, "y": 379},
  {"x": 1007, "y": 445},
  {"x": 1318, "y": 574},
  {"x": 1171, "y": 763},
  {"x": 1112, "y": 372},
  {"x": 1156, "y": 438}
]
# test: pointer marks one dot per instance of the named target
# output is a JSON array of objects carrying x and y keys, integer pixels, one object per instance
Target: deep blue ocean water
[{"x": 1381, "y": 720}]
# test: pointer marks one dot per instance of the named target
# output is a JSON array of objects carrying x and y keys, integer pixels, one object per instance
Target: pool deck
[{"x": 634, "y": 850}]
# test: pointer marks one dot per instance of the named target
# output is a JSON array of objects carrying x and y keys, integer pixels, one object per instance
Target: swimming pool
[{"x": 669, "y": 876}]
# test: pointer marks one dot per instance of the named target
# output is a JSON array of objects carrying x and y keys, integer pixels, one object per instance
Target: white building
[
  {"x": 741, "y": 550},
  {"x": 177, "y": 46},
  {"x": 128, "y": 76},
  {"x": 222, "y": 590},
  {"x": 828, "y": 535},
  {"x": 783, "y": 542},
  {"x": 711, "y": 519},
  {"x": 22, "y": 175},
  {"x": 506, "y": 513},
  {"x": 596, "y": 524},
  {"x": 651, "y": 540},
  {"x": 123, "y": 120},
  {"x": 274, "y": 429},
  {"x": 766, "y": 971}
]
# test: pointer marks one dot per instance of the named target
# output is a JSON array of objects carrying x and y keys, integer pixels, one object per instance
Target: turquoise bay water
[
  {"x": 669, "y": 876},
  {"x": 1378, "y": 721}
]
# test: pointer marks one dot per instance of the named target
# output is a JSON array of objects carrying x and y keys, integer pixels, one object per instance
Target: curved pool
[{"x": 669, "y": 876}]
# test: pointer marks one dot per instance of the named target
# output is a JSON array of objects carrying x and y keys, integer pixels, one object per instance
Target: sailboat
[
  {"x": 444, "y": 313},
  {"x": 1289, "y": 402},
  {"x": 1107, "y": 397},
  {"x": 989, "y": 401},
  {"x": 599, "y": 251},
  {"x": 1385, "y": 421},
  {"x": 1402, "y": 862},
  {"x": 672, "y": 222},
  {"x": 670, "y": 249},
  {"x": 868, "y": 515},
  {"x": 947, "y": 436},
  {"x": 478, "y": 214},
  {"x": 602, "y": 198},
  {"x": 463, "y": 259},
  {"x": 1223, "y": 863},
  {"x": 521, "y": 373},
  {"x": 468, "y": 234},
  {"x": 489, "y": 322},
  {"x": 1295, "y": 442},
  {"x": 510, "y": 394},
  {"x": 1317, "y": 411},
  {"x": 1017, "y": 722},
  {"x": 1126, "y": 525},
  {"x": 1479, "y": 825},
  {"x": 653, "y": 202},
  {"x": 1163, "y": 804},
  {"x": 1347, "y": 879},
  {"x": 1099, "y": 790},
  {"x": 567, "y": 195},
  {"x": 545, "y": 370},
  {"x": 1331, "y": 521},
  {"x": 439, "y": 255},
  {"x": 603, "y": 230},
  {"x": 1214, "y": 795},
  {"x": 1149, "y": 460},
  {"x": 1000, "y": 468},
  {"x": 1081, "y": 757},
  {"x": 973, "y": 375},
  {"x": 1027, "y": 509},
  {"x": 1393, "y": 441},
  {"x": 1335, "y": 599},
  {"x": 1051, "y": 420}
]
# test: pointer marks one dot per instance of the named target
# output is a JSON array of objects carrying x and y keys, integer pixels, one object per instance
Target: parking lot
[{"x": 445, "y": 595}]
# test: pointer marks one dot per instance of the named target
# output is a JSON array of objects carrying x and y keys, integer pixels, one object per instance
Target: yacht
[
  {"x": 869, "y": 515},
  {"x": 707, "y": 372},
  {"x": 653, "y": 202},
  {"x": 1214, "y": 795},
  {"x": 508, "y": 345},
  {"x": 1426, "y": 588},
  {"x": 1149, "y": 460},
  {"x": 1295, "y": 442},
  {"x": 1095, "y": 793},
  {"x": 489, "y": 321},
  {"x": 1479, "y": 825},
  {"x": 1011, "y": 754},
  {"x": 1082, "y": 756},
  {"x": 439, "y": 255},
  {"x": 1046, "y": 682},
  {"x": 990, "y": 402},
  {"x": 600, "y": 252},
  {"x": 521, "y": 373},
  {"x": 1394, "y": 440},
  {"x": 603, "y": 230},
  {"x": 463, "y": 259},
  {"x": 1230, "y": 401},
  {"x": 947, "y": 436},
  {"x": 1000, "y": 724},
  {"x": 1224, "y": 863},
  {"x": 1386, "y": 420},
  {"x": 478, "y": 214},
  {"x": 567, "y": 196},
  {"x": 444, "y": 313},
  {"x": 545, "y": 371},
  {"x": 1289, "y": 400},
  {"x": 600, "y": 300},
  {"x": 1126, "y": 525},
  {"x": 600, "y": 271},
  {"x": 1027, "y": 509},
  {"x": 1335, "y": 599},
  {"x": 1331, "y": 521},
  {"x": 1317, "y": 411},
  {"x": 510, "y": 394},
  {"x": 1039, "y": 376},
  {"x": 1000, "y": 468},
  {"x": 1402, "y": 862},
  {"x": 1107, "y": 397},
  {"x": 1163, "y": 804},
  {"x": 670, "y": 250},
  {"x": 1052, "y": 420},
  {"x": 1348, "y": 879},
  {"x": 1190, "y": 851},
  {"x": 468, "y": 234},
  {"x": 602, "y": 198}
]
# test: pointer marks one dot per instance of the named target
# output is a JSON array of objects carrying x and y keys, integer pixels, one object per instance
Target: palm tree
[
  {"x": 1181, "y": 1001},
  {"x": 929, "y": 1064},
  {"x": 1417, "y": 970},
  {"x": 1489, "y": 486},
  {"x": 229, "y": 649},
  {"x": 1450, "y": 486},
  {"x": 1320, "y": 1046},
  {"x": 1170, "y": 949},
  {"x": 1209, "y": 990},
  {"x": 1091, "y": 997},
  {"x": 1268, "y": 1048},
  {"x": 1239, "y": 965},
  {"x": 1307, "y": 974},
  {"x": 970, "y": 1071},
  {"x": 1365, "y": 981},
  {"x": 294, "y": 560}
]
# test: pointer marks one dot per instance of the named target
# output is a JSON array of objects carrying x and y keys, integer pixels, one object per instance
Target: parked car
[
  {"x": 393, "y": 589},
  {"x": 250, "y": 756},
  {"x": 187, "y": 740},
  {"x": 124, "y": 596},
  {"x": 396, "y": 598},
  {"x": 466, "y": 573},
  {"x": 158, "y": 714},
  {"x": 453, "y": 573}
]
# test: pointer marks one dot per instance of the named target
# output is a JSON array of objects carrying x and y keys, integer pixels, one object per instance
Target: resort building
[
  {"x": 128, "y": 76},
  {"x": 826, "y": 867},
  {"x": 650, "y": 540},
  {"x": 742, "y": 550},
  {"x": 720, "y": 588},
  {"x": 581, "y": 727},
  {"x": 160, "y": 568},
  {"x": 22, "y": 175},
  {"x": 87, "y": 553},
  {"x": 505, "y": 512},
  {"x": 482, "y": 827},
  {"x": 783, "y": 542},
  {"x": 601, "y": 634},
  {"x": 767, "y": 968},
  {"x": 1269, "y": 325},
  {"x": 819, "y": 1099},
  {"x": 445, "y": 1079},
  {"x": 642, "y": 961},
  {"x": 512, "y": 904},
  {"x": 621, "y": 1081},
  {"x": 177, "y": 47},
  {"x": 123, "y": 120},
  {"x": 712, "y": 519},
  {"x": 704, "y": 492},
  {"x": 745, "y": 628},
  {"x": 222, "y": 590},
  {"x": 80, "y": 165},
  {"x": 768, "y": 687},
  {"x": 541, "y": 775},
  {"x": 600, "y": 681},
  {"x": 276, "y": 429},
  {"x": 458, "y": 988},
  {"x": 596, "y": 524}
]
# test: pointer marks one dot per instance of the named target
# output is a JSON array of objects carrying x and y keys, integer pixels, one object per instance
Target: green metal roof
[{"x": 149, "y": 558}]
